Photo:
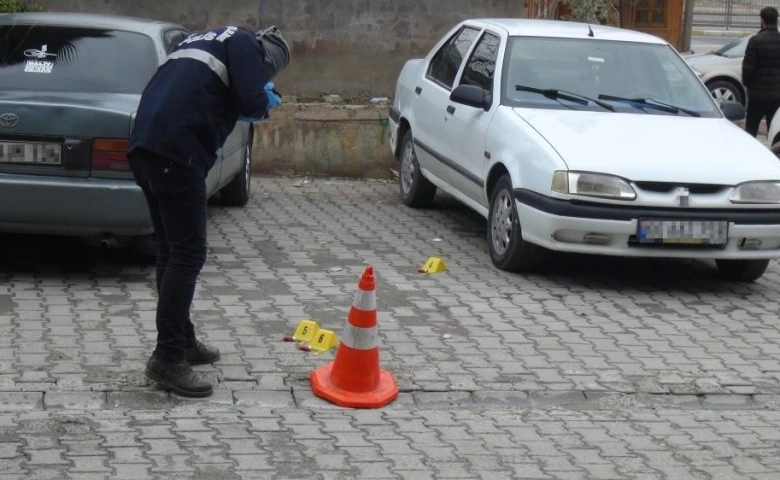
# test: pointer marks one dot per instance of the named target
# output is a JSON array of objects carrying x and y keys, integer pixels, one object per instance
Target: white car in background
[
  {"x": 583, "y": 138},
  {"x": 721, "y": 70},
  {"x": 773, "y": 134}
]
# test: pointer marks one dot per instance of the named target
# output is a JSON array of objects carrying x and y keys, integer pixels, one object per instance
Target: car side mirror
[
  {"x": 472, "y": 96},
  {"x": 734, "y": 111}
]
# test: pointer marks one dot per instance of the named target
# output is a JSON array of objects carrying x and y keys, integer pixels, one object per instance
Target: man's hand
[
  {"x": 274, "y": 97},
  {"x": 274, "y": 100}
]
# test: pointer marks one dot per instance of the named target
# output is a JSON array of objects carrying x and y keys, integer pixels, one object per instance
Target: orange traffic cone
[{"x": 353, "y": 378}]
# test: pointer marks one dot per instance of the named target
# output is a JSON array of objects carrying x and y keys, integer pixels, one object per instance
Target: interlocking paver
[{"x": 587, "y": 370}]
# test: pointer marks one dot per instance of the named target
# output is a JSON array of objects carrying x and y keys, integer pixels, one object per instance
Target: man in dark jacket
[
  {"x": 187, "y": 110},
  {"x": 761, "y": 72}
]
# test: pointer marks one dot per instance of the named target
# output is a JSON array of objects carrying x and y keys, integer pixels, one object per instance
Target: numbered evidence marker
[
  {"x": 304, "y": 333},
  {"x": 322, "y": 342},
  {"x": 433, "y": 265}
]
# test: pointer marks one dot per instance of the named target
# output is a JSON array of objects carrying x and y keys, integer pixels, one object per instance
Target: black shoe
[
  {"x": 201, "y": 354},
  {"x": 179, "y": 377}
]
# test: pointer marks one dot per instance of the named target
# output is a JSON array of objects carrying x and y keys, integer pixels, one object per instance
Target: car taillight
[{"x": 110, "y": 155}]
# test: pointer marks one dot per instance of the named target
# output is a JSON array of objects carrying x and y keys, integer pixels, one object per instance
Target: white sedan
[
  {"x": 589, "y": 139},
  {"x": 721, "y": 70}
]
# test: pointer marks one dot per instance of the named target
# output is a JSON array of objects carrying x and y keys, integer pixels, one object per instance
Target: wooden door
[{"x": 662, "y": 18}]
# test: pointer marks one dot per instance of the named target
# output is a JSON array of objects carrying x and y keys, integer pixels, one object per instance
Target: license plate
[
  {"x": 30, "y": 153},
  {"x": 686, "y": 232}
]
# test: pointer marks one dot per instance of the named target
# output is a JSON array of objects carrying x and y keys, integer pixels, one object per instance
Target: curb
[{"x": 701, "y": 32}]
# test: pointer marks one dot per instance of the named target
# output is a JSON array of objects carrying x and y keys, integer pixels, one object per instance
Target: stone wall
[
  {"x": 353, "y": 48},
  {"x": 324, "y": 140}
]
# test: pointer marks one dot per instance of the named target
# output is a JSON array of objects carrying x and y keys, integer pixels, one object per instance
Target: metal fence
[{"x": 729, "y": 13}]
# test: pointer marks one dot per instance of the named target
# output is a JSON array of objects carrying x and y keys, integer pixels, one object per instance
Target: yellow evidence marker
[
  {"x": 305, "y": 332},
  {"x": 433, "y": 265},
  {"x": 322, "y": 342}
]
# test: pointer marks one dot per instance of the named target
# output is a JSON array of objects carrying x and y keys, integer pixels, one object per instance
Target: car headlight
[
  {"x": 592, "y": 185},
  {"x": 756, "y": 192}
]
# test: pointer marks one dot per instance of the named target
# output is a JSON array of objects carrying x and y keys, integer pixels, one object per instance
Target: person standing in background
[{"x": 761, "y": 72}]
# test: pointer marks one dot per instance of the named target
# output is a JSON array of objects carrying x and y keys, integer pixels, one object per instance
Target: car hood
[
  {"x": 707, "y": 61},
  {"x": 662, "y": 148}
]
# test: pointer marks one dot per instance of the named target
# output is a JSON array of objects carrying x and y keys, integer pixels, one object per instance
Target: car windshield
[
  {"x": 596, "y": 68},
  {"x": 74, "y": 59},
  {"x": 735, "y": 49}
]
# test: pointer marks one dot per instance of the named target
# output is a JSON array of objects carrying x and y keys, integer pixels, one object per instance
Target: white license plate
[
  {"x": 30, "y": 153},
  {"x": 690, "y": 232}
]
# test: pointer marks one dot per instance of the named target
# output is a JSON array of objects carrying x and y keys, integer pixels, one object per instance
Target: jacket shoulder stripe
[{"x": 210, "y": 60}]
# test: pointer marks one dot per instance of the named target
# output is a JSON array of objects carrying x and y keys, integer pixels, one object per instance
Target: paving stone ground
[{"x": 590, "y": 368}]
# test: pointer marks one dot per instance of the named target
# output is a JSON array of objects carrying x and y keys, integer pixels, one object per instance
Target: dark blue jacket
[{"x": 194, "y": 99}]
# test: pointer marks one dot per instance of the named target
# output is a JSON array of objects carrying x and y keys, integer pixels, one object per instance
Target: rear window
[{"x": 74, "y": 59}]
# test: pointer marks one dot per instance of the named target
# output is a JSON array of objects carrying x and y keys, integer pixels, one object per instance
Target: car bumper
[
  {"x": 564, "y": 226},
  {"x": 72, "y": 206},
  {"x": 393, "y": 119}
]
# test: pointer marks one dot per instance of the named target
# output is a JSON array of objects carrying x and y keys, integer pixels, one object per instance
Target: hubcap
[
  {"x": 407, "y": 168},
  {"x": 248, "y": 168},
  {"x": 501, "y": 226},
  {"x": 723, "y": 94}
]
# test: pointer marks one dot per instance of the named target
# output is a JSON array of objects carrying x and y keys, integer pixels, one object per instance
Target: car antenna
[{"x": 590, "y": 31}]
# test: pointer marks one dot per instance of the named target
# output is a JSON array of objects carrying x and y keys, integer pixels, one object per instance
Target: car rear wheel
[
  {"x": 416, "y": 190},
  {"x": 722, "y": 90},
  {"x": 742, "y": 270},
  {"x": 236, "y": 193},
  {"x": 508, "y": 250}
]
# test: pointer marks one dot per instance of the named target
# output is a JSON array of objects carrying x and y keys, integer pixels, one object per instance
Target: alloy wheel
[
  {"x": 248, "y": 167},
  {"x": 501, "y": 226},
  {"x": 723, "y": 94},
  {"x": 407, "y": 168}
]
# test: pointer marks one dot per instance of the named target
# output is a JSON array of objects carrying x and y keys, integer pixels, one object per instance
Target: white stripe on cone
[
  {"x": 359, "y": 338},
  {"x": 365, "y": 301}
]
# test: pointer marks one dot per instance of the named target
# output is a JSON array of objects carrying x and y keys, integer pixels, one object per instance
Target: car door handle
[
  {"x": 450, "y": 109},
  {"x": 418, "y": 90}
]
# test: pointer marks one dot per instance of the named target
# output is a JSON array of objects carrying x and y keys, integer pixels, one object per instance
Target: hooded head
[{"x": 277, "y": 53}]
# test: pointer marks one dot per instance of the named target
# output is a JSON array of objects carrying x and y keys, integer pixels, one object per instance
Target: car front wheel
[
  {"x": 742, "y": 270},
  {"x": 508, "y": 250},
  {"x": 721, "y": 90},
  {"x": 416, "y": 190}
]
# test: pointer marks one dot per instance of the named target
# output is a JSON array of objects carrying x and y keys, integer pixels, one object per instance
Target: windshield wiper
[
  {"x": 555, "y": 94},
  {"x": 652, "y": 103}
]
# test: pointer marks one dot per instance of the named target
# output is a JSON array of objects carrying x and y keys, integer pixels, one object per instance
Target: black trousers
[
  {"x": 176, "y": 196},
  {"x": 757, "y": 109}
]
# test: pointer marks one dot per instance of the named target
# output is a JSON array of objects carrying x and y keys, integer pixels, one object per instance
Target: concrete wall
[
  {"x": 324, "y": 140},
  {"x": 354, "y": 48}
]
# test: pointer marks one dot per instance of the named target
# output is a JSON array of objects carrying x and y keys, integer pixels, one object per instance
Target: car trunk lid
[{"x": 52, "y": 133}]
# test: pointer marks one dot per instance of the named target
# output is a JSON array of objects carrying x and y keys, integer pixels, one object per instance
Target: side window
[
  {"x": 482, "y": 64},
  {"x": 446, "y": 62},
  {"x": 171, "y": 38}
]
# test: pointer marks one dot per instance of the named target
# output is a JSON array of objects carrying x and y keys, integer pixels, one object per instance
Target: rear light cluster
[{"x": 110, "y": 155}]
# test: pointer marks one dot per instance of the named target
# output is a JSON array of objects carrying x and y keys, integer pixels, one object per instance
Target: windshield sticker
[
  {"x": 596, "y": 59},
  {"x": 33, "y": 66},
  {"x": 39, "y": 54},
  {"x": 40, "y": 63}
]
